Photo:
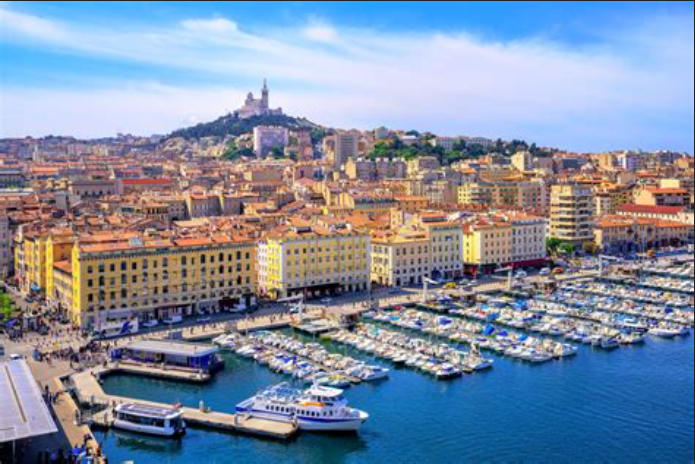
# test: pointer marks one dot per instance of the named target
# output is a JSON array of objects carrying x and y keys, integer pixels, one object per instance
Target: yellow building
[
  {"x": 58, "y": 248},
  {"x": 446, "y": 245},
  {"x": 488, "y": 245},
  {"x": 621, "y": 234},
  {"x": 151, "y": 277},
  {"x": 35, "y": 253},
  {"x": 400, "y": 258},
  {"x": 662, "y": 197},
  {"x": 305, "y": 259}
]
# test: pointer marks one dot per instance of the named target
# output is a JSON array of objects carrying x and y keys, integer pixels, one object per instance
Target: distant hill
[{"x": 232, "y": 125}]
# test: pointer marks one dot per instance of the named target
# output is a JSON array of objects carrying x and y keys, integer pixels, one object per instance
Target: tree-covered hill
[{"x": 235, "y": 126}]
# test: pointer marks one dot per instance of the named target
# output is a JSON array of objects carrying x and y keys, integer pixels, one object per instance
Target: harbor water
[{"x": 634, "y": 404}]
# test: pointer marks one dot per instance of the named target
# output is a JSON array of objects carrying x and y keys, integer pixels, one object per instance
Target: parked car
[
  {"x": 450, "y": 286},
  {"x": 544, "y": 272},
  {"x": 150, "y": 324}
]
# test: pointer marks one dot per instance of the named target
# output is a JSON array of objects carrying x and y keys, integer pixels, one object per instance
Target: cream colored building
[
  {"x": 5, "y": 245},
  {"x": 488, "y": 245},
  {"x": 529, "y": 235},
  {"x": 446, "y": 245},
  {"x": 572, "y": 213},
  {"x": 311, "y": 260},
  {"x": 401, "y": 258}
]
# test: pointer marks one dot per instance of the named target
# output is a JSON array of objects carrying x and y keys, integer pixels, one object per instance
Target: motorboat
[
  {"x": 319, "y": 409},
  {"x": 151, "y": 420}
]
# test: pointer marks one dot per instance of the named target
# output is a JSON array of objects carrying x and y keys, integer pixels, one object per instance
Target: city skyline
[{"x": 613, "y": 77}]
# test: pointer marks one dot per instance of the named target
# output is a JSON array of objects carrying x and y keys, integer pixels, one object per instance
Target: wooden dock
[{"x": 90, "y": 392}]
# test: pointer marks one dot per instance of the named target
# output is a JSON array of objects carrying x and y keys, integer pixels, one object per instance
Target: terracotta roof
[
  {"x": 146, "y": 181},
  {"x": 649, "y": 209},
  {"x": 667, "y": 191}
]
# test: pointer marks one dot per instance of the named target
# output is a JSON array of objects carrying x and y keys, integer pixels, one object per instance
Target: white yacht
[
  {"x": 318, "y": 409},
  {"x": 665, "y": 331},
  {"x": 166, "y": 422}
]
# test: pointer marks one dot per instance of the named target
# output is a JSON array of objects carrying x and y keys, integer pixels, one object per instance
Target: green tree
[
  {"x": 553, "y": 244},
  {"x": 568, "y": 248}
]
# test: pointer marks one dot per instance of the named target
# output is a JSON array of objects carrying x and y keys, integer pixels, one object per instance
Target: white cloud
[
  {"x": 320, "y": 32},
  {"x": 215, "y": 25},
  {"x": 632, "y": 87},
  {"x": 29, "y": 26}
]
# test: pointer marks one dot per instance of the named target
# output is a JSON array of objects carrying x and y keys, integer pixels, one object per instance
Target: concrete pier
[{"x": 89, "y": 392}]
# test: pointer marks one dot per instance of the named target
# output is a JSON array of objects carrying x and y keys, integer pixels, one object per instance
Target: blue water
[{"x": 634, "y": 404}]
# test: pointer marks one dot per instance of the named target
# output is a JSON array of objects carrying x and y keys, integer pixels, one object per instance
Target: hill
[{"x": 232, "y": 125}]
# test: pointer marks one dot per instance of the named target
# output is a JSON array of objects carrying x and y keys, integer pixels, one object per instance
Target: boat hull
[{"x": 148, "y": 430}]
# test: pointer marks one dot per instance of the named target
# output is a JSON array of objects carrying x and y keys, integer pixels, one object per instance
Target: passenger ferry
[
  {"x": 165, "y": 422},
  {"x": 318, "y": 409}
]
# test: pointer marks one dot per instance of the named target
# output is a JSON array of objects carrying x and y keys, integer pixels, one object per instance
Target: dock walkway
[{"x": 90, "y": 392}]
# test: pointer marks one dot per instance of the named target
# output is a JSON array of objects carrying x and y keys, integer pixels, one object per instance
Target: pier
[{"x": 89, "y": 392}]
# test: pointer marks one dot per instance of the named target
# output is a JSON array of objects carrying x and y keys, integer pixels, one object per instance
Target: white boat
[
  {"x": 565, "y": 350},
  {"x": 447, "y": 371},
  {"x": 665, "y": 332},
  {"x": 477, "y": 363},
  {"x": 609, "y": 343},
  {"x": 631, "y": 339},
  {"x": 165, "y": 422},
  {"x": 319, "y": 409}
]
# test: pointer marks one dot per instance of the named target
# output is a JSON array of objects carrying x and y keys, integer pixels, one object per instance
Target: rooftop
[
  {"x": 23, "y": 412},
  {"x": 172, "y": 348}
]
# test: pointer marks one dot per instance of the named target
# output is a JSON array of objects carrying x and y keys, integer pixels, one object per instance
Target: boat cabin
[{"x": 149, "y": 419}]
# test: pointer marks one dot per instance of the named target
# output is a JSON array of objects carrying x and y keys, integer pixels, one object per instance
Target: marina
[
  {"x": 421, "y": 345},
  {"x": 308, "y": 362}
]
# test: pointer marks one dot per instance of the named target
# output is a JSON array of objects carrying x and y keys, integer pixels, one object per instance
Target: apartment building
[
  {"x": 401, "y": 258},
  {"x": 306, "y": 259},
  {"x": 572, "y": 213},
  {"x": 446, "y": 245},
  {"x": 156, "y": 277}
]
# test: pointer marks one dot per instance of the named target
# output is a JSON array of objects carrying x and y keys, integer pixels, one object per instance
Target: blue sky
[{"x": 587, "y": 76}]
